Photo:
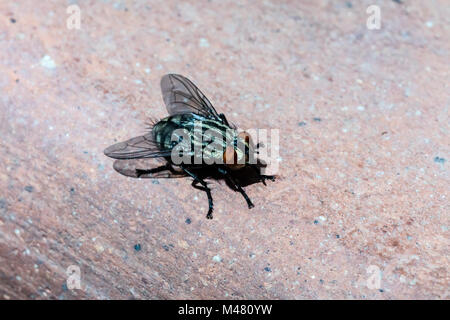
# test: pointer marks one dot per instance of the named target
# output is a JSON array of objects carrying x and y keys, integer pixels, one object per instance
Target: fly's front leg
[
  {"x": 205, "y": 188},
  {"x": 237, "y": 187},
  {"x": 262, "y": 177}
]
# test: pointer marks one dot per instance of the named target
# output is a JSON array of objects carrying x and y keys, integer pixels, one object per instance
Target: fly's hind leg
[{"x": 205, "y": 188}]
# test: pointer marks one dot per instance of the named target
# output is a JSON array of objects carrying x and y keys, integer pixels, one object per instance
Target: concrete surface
[{"x": 363, "y": 188}]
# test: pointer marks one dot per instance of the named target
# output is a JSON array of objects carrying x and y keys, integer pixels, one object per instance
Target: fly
[{"x": 193, "y": 141}]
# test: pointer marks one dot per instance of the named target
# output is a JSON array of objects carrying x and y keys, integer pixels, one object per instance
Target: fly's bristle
[{"x": 150, "y": 123}]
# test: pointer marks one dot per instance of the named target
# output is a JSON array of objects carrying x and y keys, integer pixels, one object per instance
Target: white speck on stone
[
  {"x": 322, "y": 218},
  {"x": 99, "y": 248},
  {"x": 48, "y": 62},
  {"x": 407, "y": 92},
  {"x": 17, "y": 232},
  {"x": 204, "y": 43},
  {"x": 361, "y": 108},
  {"x": 147, "y": 70},
  {"x": 18, "y": 278},
  {"x": 429, "y": 24},
  {"x": 418, "y": 113},
  {"x": 217, "y": 258},
  {"x": 380, "y": 173},
  {"x": 138, "y": 81}
]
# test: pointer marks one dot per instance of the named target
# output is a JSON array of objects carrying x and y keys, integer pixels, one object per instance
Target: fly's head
[{"x": 239, "y": 153}]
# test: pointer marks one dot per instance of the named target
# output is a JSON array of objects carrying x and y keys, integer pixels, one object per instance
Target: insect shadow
[{"x": 142, "y": 169}]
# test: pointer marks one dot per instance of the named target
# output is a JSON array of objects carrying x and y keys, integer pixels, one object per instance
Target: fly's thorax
[
  {"x": 202, "y": 140},
  {"x": 210, "y": 139}
]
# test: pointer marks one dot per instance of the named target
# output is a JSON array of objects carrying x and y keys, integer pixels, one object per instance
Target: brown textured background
[{"x": 364, "y": 120}]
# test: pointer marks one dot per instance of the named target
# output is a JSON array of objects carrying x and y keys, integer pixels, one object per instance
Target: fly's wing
[
  {"x": 136, "y": 148},
  {"x": 146, "y": 168},
  {"x": 182, "y": 96}
]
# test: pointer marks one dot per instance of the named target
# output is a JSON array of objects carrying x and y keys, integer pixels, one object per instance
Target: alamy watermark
[
  {"x": 374, "y": 279},
  {"x": 73, "y": 281},
  {"x": 74, "y": 19},
  {"x": 374, "y": 20}
]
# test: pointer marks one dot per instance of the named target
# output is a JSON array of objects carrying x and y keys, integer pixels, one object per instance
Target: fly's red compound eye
[
  {"x": 230, "y": 156},
  {"x": 244, "y": 136}
]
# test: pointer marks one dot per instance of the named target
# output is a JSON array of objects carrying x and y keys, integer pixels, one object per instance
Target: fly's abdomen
[{"x": 170, "y": 131}]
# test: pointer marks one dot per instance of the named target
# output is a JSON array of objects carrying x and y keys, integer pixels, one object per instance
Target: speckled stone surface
[{"x": 364, "y": 125}]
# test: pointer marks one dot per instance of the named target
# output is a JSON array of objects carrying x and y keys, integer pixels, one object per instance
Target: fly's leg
[
  {"x": 208, "y": 193},
  {"x": 140, "y": 172},
  {"x": 262, "y": 177},
  {"x": 205, "y": 188},
  {"x": 249, "y": 202},
  {"x": 237, "y": 187}
]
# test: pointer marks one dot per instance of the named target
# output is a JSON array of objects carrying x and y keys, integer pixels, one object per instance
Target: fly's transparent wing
[
  {"x": 136, "y": 148},
  {"x": 147, "y": 168},
  {"x": 182, "y": 96}
]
